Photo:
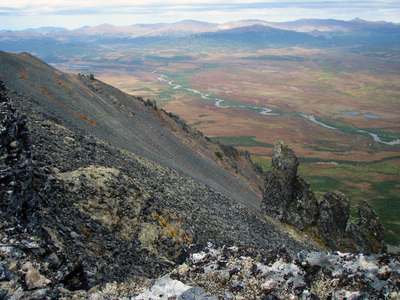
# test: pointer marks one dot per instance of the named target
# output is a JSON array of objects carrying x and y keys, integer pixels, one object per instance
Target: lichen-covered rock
[{"x": 33, "y": 279}]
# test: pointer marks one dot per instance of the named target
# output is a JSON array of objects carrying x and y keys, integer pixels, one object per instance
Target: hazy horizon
[{"x": 73, "y": 14}]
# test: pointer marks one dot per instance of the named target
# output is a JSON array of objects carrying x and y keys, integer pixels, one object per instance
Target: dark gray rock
[
  {"x": 369, "y": 220},
  {"x": 356, "y": 239},
  {"x": 196, "y": 293},
  {"x": 4, "y": 273},
  {"x": 305, "y": 202},
  {"x": 3, "y": 294},
  {"x": 334, "y": 211},
  {"x": 16, "y": 193}
]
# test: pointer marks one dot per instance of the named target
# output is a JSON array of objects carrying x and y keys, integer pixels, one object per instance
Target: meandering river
[{"x": 269, "y": 112}]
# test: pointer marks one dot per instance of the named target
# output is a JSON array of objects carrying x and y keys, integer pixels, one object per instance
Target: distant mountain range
[
  {"x": 192, "y": 26},
  {"x": 46, "y": 41},
  {"x": 187, "y": 27}
]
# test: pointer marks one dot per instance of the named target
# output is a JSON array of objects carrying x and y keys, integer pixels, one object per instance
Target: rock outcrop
[
  {"x": 369, "y": 220},
  {"x": 17, "y": 195},
  {"x": 333, "y": 214},
  {"x": 288, "y": 198}
]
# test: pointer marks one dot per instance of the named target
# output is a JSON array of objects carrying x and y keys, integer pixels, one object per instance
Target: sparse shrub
[
  {"x": 258, "y": 168},
  {"x": 219, "y": 155},
  {"x": 151, "y": 103}
]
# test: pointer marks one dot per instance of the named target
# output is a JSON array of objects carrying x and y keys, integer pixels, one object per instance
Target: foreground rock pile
[
  {"x": 288, "y": 198},
  {"x": 231, "y": 272}
]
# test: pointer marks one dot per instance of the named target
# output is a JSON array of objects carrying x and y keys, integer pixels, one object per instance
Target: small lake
[
  {"x": 350, "y": 112},
  {"x": 355, "y": 112},
  {"x": 370, "y": 116}
]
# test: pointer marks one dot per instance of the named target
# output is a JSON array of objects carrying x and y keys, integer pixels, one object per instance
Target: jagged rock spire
[{"x": 288, "y": 198}]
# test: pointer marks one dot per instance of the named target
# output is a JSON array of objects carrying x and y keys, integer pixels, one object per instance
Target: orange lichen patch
[
  {"x": 1, "y": 75},
  {"x": 24, "y": 75},
  {"x": 63, "y": 84},
  {"x": 172, "y": 230},
  {"x": 96, "y": 248},
  {"x": 85, "y": 231},
  {"x": 43, "y": 90}
]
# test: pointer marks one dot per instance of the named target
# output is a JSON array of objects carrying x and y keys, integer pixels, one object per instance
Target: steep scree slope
[{"x": 84, "y": 103}]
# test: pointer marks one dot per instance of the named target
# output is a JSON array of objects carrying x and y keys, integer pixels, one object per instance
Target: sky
[{"x": 73, "y": 14}]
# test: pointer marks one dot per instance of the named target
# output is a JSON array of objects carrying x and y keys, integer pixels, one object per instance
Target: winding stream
[{"x": 267, "y": 111}]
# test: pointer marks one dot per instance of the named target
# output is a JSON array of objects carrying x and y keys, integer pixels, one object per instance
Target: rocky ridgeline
[
  {"x": 81, "y": 219},
  {"x": 288, "y": 198}
]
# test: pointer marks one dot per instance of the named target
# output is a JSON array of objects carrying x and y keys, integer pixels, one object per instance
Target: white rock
[
  {"x": 33, "y": 278},
  {"x": 164, "y": 288}
]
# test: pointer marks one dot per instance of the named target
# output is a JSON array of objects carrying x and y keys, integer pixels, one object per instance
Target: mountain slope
[
  {"x": 83, "y": 219},
  {"x": 254, "y": 36},
  {"x": 93, "y": 107}
]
